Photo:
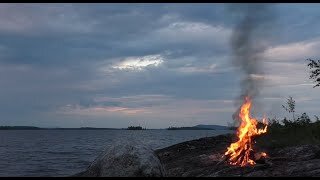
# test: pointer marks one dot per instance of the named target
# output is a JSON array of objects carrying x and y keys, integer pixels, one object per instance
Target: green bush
[{"x": 291, "y": 132}]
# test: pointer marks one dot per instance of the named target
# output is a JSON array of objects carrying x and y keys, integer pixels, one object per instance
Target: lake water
[{"x": 66, "y": 152}]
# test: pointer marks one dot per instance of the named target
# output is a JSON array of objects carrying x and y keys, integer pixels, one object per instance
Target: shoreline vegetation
[
  {"x": 300, "y": 129},
  {"x": 285, "y": 133}
]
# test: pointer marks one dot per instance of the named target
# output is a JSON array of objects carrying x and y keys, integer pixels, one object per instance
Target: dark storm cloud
[{"x": 99, "y": 32}]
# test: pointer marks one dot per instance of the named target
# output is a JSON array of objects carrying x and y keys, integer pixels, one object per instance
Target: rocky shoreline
[{"x": 202, "y": 158}]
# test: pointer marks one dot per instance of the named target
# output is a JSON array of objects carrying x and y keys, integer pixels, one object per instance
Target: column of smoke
[{"x": 248, "y": 42}]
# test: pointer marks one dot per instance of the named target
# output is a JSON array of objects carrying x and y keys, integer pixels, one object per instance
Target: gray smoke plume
[{"x": 248, "y": 42}]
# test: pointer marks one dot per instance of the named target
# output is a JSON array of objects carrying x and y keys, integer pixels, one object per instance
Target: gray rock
[
  {"x": 133, "y": 159},
  {"x": 205, "y": 160}
]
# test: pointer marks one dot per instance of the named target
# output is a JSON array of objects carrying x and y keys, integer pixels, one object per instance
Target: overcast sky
[{"x": 157, "y": 65}]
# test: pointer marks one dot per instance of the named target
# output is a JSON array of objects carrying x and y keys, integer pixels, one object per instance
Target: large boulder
[{"x": 132, "y": 159}]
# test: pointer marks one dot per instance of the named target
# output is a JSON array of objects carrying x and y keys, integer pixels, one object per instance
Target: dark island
[
  {"x": 201, "y": 127},
  {"x": 135, "y": 128}
]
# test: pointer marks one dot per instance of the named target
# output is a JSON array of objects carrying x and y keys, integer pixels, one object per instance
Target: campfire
[{"x": 241, "y": 152}]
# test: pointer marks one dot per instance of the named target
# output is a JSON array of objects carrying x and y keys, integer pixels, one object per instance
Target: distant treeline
[
  {"x": 188, "y": 128},
  {"x": 38, "y": 128},
  {"x": 18, "y": 127}
]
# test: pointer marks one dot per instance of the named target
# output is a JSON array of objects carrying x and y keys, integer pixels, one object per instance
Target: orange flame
[{"x": 239, "y": 153}]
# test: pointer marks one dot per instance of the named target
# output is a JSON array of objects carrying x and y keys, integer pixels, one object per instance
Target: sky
[{"x": 154, "y": 65}]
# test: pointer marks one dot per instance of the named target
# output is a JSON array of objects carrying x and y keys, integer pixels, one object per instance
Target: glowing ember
[{"x": 240, "y": 152}]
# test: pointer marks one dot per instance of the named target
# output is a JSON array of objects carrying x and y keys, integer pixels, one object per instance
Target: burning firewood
[{"x": 242, "y": 152}]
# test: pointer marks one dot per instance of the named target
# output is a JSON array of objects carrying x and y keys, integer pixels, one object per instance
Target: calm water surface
[{"x": 66, "y": 152}]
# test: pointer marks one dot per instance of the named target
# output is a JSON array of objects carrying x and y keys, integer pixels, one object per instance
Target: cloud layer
[{"x": 115, "y": 65}]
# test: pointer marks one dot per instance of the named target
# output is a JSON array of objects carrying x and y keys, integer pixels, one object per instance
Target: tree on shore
[
  {"x": 290, "y": 107},
  {"x": 314, "y": 66}
]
